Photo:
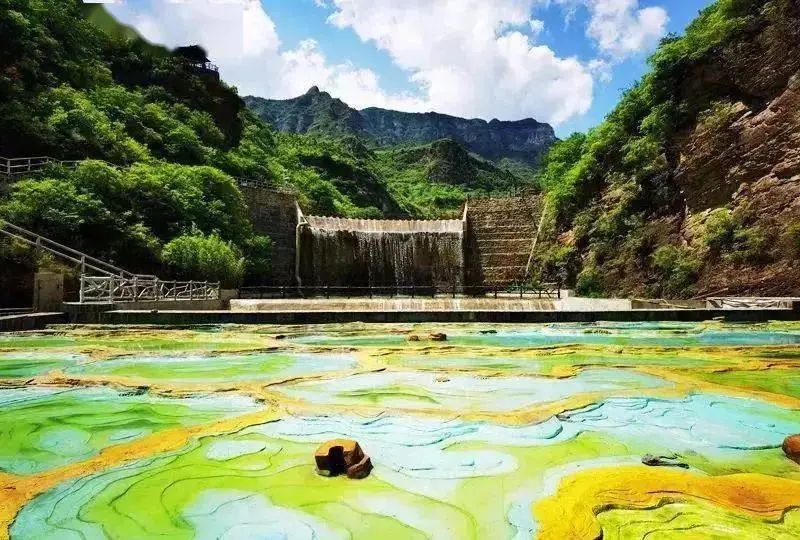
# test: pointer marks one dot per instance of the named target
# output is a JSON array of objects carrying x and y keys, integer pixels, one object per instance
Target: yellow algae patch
[
  {"x": 16, "y": 491},
  {"x": 572, "y": 512}
]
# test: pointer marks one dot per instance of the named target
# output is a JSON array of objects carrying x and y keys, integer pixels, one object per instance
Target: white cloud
[
  {"x": 463, "y": 57},
  {"x": 469, "y": 57},
  {"x": 620, "y": 28},
  {"x": 537, "y": 26}
]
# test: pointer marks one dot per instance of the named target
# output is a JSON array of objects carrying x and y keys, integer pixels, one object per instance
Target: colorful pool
[{"x": 496, "y": 432}]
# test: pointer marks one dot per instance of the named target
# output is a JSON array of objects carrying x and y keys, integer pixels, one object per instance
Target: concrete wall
[
  {"x": 274, "y": 214},
  {"x": 48, "y": 292}
]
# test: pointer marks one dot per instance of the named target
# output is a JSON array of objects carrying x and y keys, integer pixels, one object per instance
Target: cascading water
[{"x": 381, "y": 253}]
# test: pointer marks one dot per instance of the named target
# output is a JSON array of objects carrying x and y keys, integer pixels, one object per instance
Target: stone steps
[{"x": 503, "y": 231}]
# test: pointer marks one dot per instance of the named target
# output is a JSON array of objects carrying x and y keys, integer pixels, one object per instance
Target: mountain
[
  {"x": 317, "y": 112},
  {"x": 691, "y": 186},
  {"x": 434, "y": 179}
]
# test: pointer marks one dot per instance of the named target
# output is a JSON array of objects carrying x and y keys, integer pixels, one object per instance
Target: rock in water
[
  {"x": 438, "y": 336},
  {"x": 663, "y": 461},
  {"x": 791, "y": 447},
  {"x": 342, "y": 456},
  {"x": 361, "y": 469}
]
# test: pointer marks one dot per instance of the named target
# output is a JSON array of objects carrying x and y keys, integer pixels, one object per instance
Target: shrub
[
  {"x": 589, "y": 283},
  {"x": 719, "y": 230},
  {"x": 791, "y": 239},
  {"x": 750, "y": 245},
  {"x": 195, "y": 256},
  {"x": 677, "y": 268}
]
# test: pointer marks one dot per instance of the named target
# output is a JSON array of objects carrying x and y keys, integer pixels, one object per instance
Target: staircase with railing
[
  {"x": 504, "y": 231},
  {"x": 104, "y": 282}
]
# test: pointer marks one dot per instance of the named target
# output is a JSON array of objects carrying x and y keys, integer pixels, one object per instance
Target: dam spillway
[{"x": 381, "y": 253}]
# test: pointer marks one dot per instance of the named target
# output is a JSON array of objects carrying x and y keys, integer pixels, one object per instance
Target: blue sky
[{"x": 561, "y": 61}]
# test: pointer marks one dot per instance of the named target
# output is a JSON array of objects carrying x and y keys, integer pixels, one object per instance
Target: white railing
[
  {"x": 13, "y": 167},
  {"x": 134, "y": 289}
]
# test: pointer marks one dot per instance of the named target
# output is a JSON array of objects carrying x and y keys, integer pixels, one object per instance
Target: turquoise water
[
  {"x": 641, "y": 334},
  {"x": 462, "y": 392}
]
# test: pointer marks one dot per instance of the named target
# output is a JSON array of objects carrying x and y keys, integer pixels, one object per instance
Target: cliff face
[
  {"x": 691, "y": 186},
  {"x": 746, "y": 159},
  {"x": 315, "y": 111}
]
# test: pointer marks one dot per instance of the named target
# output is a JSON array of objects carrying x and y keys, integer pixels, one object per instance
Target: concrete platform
[
  {"x": 507, "y": 303},
  {"x": 30, "y": 321},
  {"x": 190, "y": 318}
]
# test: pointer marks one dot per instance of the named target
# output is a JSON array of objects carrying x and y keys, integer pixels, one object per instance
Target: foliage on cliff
[
  {"x": 170, "y": 140},
  {"x": 623, "y": 216}
]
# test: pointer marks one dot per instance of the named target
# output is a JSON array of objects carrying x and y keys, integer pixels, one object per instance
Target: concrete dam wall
[
  {"x": 489, "y": 246},
  {"x": 381, "y": 253}
]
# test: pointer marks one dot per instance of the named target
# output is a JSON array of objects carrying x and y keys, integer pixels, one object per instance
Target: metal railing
[
  {"x": 136, "y": 289},
  {"x": 543, "y": 291}
]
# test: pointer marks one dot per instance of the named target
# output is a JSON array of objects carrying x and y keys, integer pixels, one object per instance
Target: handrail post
[
  {"x": 80, "y": 293},
  {"x": 191, "y": 289},
  {"x": 111, "y": 289}
]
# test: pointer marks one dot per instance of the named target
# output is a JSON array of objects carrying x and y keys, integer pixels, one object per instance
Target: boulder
[
  {"x": 438, "y": 336},
  {"x": 360, "y": 470},
  {"x": 413, "y": 337},
  {"x": 342, "y": 456},
  {"x": 791, "y": 447}
]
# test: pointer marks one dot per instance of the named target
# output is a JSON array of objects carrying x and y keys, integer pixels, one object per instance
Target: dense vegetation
[
  {"x": 521, "y": 141},
  {"x": 615, "y": 209},
  {"x": 169, "y": 140}
]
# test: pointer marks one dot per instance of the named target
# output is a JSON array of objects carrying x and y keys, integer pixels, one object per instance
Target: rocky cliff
[
  {"x": 691, "y": 187},
  {"x": 316, "y": 111}
]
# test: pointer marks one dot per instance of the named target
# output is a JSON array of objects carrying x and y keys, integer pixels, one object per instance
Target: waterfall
[{"x": 382, "y": 253}]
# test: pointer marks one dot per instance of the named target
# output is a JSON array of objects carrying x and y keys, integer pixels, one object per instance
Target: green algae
[
  {"x": 217, "y": 368},
  {"x": 431, "y": 479},
  {"x": 44, "y": 428},
  {"x": 781, "y": 381},
  {"x": 22, "y": 364}
]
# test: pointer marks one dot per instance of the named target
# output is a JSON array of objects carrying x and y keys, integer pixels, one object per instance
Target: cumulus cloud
[
  {"x": 470, "y": 58},
  {"x": 620, "y": 28},
  {"x": 465, "y": 57}
]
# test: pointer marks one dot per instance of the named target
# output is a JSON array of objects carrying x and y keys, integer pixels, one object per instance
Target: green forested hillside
[
  {"x": 647, "y": 204},
  {"x": 169, "y": 140}
]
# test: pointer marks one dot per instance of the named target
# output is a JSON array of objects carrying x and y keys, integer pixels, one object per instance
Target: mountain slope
[
  {"x": 434, "y": 179},
  {"x": 318, "y": 112},
  {"x": 692, "y": 184}
]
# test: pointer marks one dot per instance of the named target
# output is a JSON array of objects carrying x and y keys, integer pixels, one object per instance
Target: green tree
[{"x": 194, "y": 256}]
